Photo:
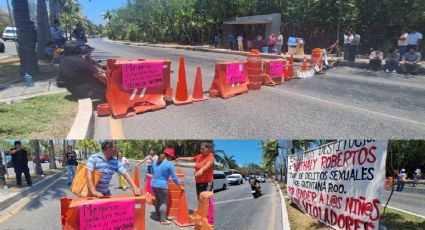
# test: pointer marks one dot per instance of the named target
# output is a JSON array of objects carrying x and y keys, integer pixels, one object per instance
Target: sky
[
  {"x": 244, "y": 151},
  {"x": 92, "y": 9}
]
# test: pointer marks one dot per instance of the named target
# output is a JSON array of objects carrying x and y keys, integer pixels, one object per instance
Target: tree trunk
[
  {"x": 54, "y": 11},
  {"x": 43, "y": 31},
  {"x": 38, "y": 168},
  {"x": 52, "y": 162},
  {"x": 26, "y": 45}
]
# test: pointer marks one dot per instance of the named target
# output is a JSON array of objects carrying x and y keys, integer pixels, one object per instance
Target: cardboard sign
[
  {"x": 139, "y": 75},
  {"x": 107, "y": 215},
  {"x": 341, "y": 183},
  {"x": 235, "y": 73},
  {"x": 276, "y": 69}
]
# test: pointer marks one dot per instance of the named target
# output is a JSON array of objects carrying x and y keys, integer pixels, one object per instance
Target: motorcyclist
[{"x": 255, "y": 184}]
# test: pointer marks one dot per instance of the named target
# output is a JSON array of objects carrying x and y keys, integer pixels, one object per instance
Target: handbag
[{"x": 79, "y": 185}]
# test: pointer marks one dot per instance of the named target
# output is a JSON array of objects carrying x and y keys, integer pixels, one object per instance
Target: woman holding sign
[
  {"x": 204, "y": 167},
  {"x": 162, "y": 170}
]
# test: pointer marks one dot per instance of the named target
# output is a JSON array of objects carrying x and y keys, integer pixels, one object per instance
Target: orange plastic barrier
[
  {"x": 182, "y": 219},
  {"x": 272, "y": 80},
  {"x": 70, "y": 217},
  {"x": 254, "y": 69},
  {"x": 289, "y": 70},
  {"x": 198, "y": 91},
  {"x": 316, "y": 58},
  {"x": 136, "y": 176},
  {"x": 220, "y": 87},
  {"x": 124, "y": 103},
  {"x": 200, "y": 215},
  {"x": 174, "y": 194},
  {"x": 147, "y": 191},
  {"x": 182, "y": 96}
]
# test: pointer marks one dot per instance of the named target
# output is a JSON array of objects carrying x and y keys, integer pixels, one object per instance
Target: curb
[
  {"x": 404, "y": 211},
  {"x": 297, "y": 58},
  {"x": 365, "y": 65},
  {"x": 285, "y": 219},
  {"x": 83, "y": 126},
  {"x": 28, "y": 190}
]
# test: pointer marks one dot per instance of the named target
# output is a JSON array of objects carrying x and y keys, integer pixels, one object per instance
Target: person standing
[
  {"x": 20, "y": 164},
  {"x": 417, "y": 176},
  {"x": 163, "y": 169},
  {"x": 410, "y": 61},
  {"x": 279, "y": 43},
  {"x": 80, "y": 34},
  {"x": 149, "y": 159},
  {"x": 56, "y": 32},
  {"x": 354, "y": 46},
  {"x": 402, "y": 43},
  {"x": 71, "y": 163},
  {"x": 259, "y": 41},
  {"x": 105, "y": 163},
  {"x": 204, "y": 167},
  {"x": 272, "y": 42},
  {"x": 231, "y": 39},
  {"x": 240, "y": 42},
  {"x": 414, "y": 39},
  {"x": 348, "y": 40},
  {"x": 126, "y": 164},
  {"x": 401, "y": 180},
  {"x": 392, "y": 62}
]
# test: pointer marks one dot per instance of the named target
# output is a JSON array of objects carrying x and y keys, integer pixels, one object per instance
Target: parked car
[
  {"x": 9, "y": 162},
  {"x": 9, "y": 33},
  {"x": 261, "y": 179},
  {"x": 235, "y": 179},
  {"x": 43, "y": 158},
  {"x": 220, "y": 181}
]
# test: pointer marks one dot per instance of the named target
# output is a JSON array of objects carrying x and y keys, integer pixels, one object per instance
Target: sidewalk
[{"x": 10, "y": 93}]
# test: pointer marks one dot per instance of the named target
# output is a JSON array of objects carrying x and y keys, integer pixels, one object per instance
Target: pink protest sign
[
  {"x": 276, "y": 69},
  {"x": 107, "y": 215},
  {"x": 137, "y": 75},
  {"x": 235, "y": 73}
]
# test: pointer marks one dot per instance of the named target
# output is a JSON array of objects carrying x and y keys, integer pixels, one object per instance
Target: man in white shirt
[
  {"x": 348, "y": 40},
  {"x": 414, "y": 39},
  {"x": 402, "y": 43},
  {"x": 279, "y": 44}
]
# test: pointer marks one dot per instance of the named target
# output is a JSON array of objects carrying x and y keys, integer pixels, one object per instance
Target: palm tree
[
  {"x": 38, "y": 168},
  {"x": 26, "y": 45},
  {"x": 270, "y": 153},
  {"x": 107, "y": 15},
  {"x": 43, "y": 32},
  {"x": 52, "y": 159},
  {"x": 225, "y": 161}
]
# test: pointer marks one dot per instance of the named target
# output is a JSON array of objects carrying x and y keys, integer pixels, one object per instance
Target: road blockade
[
  {"x": 182, "y": 97},
  {"x": 274, "y": 72},
  {"x": 254, "y": 69},
  {"x": 115, "y": 212},
  {"x": 230, "y": 79},
  {"x": 202, "y": 216},
  {"x": 127, "y": 77},
  {"x": 198, "y": 91}
]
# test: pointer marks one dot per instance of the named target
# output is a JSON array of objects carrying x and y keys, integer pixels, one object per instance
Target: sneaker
[{"x": 387, "y": 71}]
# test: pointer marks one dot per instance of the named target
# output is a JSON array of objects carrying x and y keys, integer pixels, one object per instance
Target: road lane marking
[
  {"x": 410, "y": 121},
  {"x": 22, "y": 203},
  {"x": 116, "y": 129},
  {"x": 401, "y": 210},
  {"x": 240, "y": 199}
]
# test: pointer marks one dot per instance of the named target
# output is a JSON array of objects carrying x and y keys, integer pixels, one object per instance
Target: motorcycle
[{"x": 256, "y": 190}]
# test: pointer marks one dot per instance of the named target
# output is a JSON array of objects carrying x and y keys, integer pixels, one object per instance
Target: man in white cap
[{"x": 401, "y": 180}]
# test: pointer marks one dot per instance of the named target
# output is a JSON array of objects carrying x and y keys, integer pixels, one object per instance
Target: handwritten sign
[
  {"x": 276, "y": 69},
  {"x": 107, "y": 215},
  {"x": 340, "y": 184},
  {"x": 235, "y": 73},
  {"x": 138, "y": 75}
]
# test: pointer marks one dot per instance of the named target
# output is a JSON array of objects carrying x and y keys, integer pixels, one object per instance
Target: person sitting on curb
[
  {"x": 410, "y": 61},
  {"x": 375, "y": 59},
  {"x": 391, "y": 65},
  {"x": 105, "y": 163}
]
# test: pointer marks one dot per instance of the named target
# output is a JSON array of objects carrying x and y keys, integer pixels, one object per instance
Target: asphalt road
[
  {"x": 343, "y": 103},
  {"x": 31, "y": 166},
  {"x": 412, "y": 199},
  {"x": 44, "y": 211},
  {"x": 10, "y": 48},
  {"x": 236, "y": 208}
]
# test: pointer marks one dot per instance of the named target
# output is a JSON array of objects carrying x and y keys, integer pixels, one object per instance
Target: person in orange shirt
[{"x": 204, "y": 167}]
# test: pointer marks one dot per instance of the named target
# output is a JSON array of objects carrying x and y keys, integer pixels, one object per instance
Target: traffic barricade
[
  {"x": 137, "y": 86},
  {"x": 201, "y": 215},
  {"x": 274, "y": 72},
  {"x": 115, "y": 212},
  {"x": 289, "y": 70},
  {"x": 230, "y": 79},
  {"x": 254, "y": 69},
  {"x": 174, "y": 194},
  {"x": 316, "y": 60}
]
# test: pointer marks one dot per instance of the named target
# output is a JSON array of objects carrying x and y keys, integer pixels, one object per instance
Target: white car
[
  {"x": 220, "y": 181},
  {"x": 261, "y": 179},
  {"x": 9, "y": 33},
  {"x": 235, "y": 179}
]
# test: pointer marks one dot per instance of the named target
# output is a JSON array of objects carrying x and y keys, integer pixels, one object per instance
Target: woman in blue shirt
[{"x": 162, "y": 170}]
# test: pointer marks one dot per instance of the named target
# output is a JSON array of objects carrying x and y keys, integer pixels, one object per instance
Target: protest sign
[
  {"x": 235, "y": 73},
  {"x": 341, "y": 183},
  {"x": 276, "y": 69},
  {"x": 107, "y": 215},
  {"x": 137, "y": 75}
]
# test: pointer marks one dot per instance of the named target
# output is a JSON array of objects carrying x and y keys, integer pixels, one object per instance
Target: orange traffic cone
[
  {"x": 304, "y": 67},
  {"x": 136, "y": 176},
  {"x": 183, "y": 213},
  {"x": 290, "y": 69},
  {"x": 182, "y": 96},
  {"x": 198, "y": 91}
]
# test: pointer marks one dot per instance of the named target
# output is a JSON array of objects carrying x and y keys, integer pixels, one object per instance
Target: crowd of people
[
  {"x": 401, "y": 178},
  {"x": 242, "y": 42}
]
